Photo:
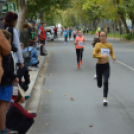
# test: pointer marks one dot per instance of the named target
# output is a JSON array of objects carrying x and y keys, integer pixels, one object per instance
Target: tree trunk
[
  {"x": 22, "y": 14},
  {"x": 123, "y": 17},
  {"x": 120, "y": 28},
  {"x": 124, "y": 22}
]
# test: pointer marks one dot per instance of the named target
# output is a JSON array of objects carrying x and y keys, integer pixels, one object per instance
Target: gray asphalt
[{"x": 75, "y": 117}]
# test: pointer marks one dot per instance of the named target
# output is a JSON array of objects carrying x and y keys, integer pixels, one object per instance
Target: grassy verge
[
  {"x": 129, "y": 36},
  {"x": 92, "y": 32},
  {"x": 116, "y": 35}
]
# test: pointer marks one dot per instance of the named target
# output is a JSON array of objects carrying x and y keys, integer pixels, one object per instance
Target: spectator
[
  {"x": 70, "y": 33},
  {"x": 55, "y": 32},
  {"x": 42, "y": 38},
  {"x": 34, "y": 28},
  {"x": 36, "y": 45},
  {"x": 34, "y": 56},
  {"x": 30, "y": 30},
  {"x": 108, "y": 29},
  {"x": 10, "y": 23},
  {"x": 66, "y": 36},
  {"x": 17, "y": 117},
  {"x": 24, "y": 35},
  {"x": 7, "y": 79},
  {"x": 2, "y": 23},
  {"x": 22, "y": 47}
]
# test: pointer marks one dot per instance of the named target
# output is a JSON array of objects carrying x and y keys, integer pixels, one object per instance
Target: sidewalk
[{"x": 33, "y": 78}]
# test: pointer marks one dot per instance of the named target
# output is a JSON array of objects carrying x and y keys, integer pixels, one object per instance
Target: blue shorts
[
  {"x": 43, "y": 42},
  {"x": 6, "y": 93}
]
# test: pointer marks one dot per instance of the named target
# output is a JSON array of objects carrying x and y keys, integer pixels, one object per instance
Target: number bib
[
  {"x": 80, "y": 43},
  {"x": 105, "y": 51}
]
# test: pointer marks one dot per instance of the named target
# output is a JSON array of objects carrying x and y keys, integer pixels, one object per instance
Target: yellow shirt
[{"x": 103, "y": 49}]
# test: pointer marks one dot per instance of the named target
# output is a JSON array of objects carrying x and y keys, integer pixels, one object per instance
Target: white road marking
[{"x": 131, "y": 68}]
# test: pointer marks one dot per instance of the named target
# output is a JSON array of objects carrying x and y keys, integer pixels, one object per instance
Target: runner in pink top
[{"x": 79, "y": 42}]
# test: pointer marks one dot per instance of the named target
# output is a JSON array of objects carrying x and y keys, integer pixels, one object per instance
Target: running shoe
[
  {"x": 95, "y": 76},
  {"x": 36, "y": 69},
  {"x": 81, "y": 62},
  {"x": 105, "y": 102},
  {"x": 30, "y": 68},
  {"x": 78, "y": 65}
]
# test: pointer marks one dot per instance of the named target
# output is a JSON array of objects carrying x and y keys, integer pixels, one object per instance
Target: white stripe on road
[{"x": 131, "y": 68}]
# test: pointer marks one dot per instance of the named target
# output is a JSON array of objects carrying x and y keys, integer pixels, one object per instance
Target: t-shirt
[
  {"x": 42, "y": 32},
  {"x": 74, "y": 32},
  {"x": 55, "y": 30},
  {"x": 70, "y": 31},
  {"x": 80, "y": 43},
  {"x": 103, "y": 49},
  {"x": 65, "y": 33}
]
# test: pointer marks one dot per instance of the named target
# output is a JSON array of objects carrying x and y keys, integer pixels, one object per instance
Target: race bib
[
  {"x": 105, "y": 51},
  {"x": 15, "y": 90},
  {"x": 80, "y": 43}
]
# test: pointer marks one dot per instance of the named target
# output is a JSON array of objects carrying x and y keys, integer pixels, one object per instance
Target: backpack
[{"x": 27, "y": 55}]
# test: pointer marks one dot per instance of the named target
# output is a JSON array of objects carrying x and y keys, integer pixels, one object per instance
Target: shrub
[
  {"x": 128, "y": 36},
  {"x": 91, "y": 32}
]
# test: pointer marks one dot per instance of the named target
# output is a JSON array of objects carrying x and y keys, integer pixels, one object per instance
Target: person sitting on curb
[
  {"x": 17, "y": 117},
  {"x": 34, "y": 57}
]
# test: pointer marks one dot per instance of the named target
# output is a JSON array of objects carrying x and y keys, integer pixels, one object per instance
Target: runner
[
  {"x": 102, "y": 52},
  {"x": 70, "y": 33},
  {"x": 87, "y": 30},
  {"x": 74, "y": 34},
  {"x": 96, "y": 40},
  {"x": 79, "y": 42},
  {"x": 66, "y": 35}
]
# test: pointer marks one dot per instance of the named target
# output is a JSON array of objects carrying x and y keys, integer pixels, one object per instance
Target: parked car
[{"x": 50, "y": 33}]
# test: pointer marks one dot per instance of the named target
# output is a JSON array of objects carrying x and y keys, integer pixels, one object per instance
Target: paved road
[{"x": 75, "y": 117}]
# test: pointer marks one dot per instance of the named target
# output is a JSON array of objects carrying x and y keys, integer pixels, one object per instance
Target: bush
[
  {"x": 91, "y": 32},
  {"x": 128, "y": 36}
]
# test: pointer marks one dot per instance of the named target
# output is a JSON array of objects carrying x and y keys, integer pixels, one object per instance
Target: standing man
[
  {"x": 55, "y": 32},
  {"x": 42, "y": 38}
]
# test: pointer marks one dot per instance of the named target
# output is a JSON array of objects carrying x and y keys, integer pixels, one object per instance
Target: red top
[
  {"x": 42, "y": 33},
  {"x": 23, "y": 111},
  {"x": 80, "y": 44},
  {"x": 55, "y": 29}
]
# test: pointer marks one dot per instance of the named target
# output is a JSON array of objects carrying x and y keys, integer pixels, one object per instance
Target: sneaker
[
  {"x": 105, "y": 102},
  {"x": 27, "y": 97},
  {"x": 78, "y": 65},
  {"x": 30, "y": 68},
  {"x": 95, "y": 76},
  {"x": 35, "y": 69},
  {"x": 81, "y": 62}
]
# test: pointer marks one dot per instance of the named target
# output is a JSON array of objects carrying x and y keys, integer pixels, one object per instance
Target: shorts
[
  {"x": 43, "y": 42},
  {"x": 6, "y": 93}
]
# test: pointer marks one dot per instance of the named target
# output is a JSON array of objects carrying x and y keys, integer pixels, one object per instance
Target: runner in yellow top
[{"x": 102, "y": 52}]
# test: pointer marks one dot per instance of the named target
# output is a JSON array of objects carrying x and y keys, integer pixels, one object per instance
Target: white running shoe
[
  {"x": 35, "y": 69},
  {"x": 30, "y": 68},
  {"x": 105, "y": 102},
  {"x": 95, "y": 76}
]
